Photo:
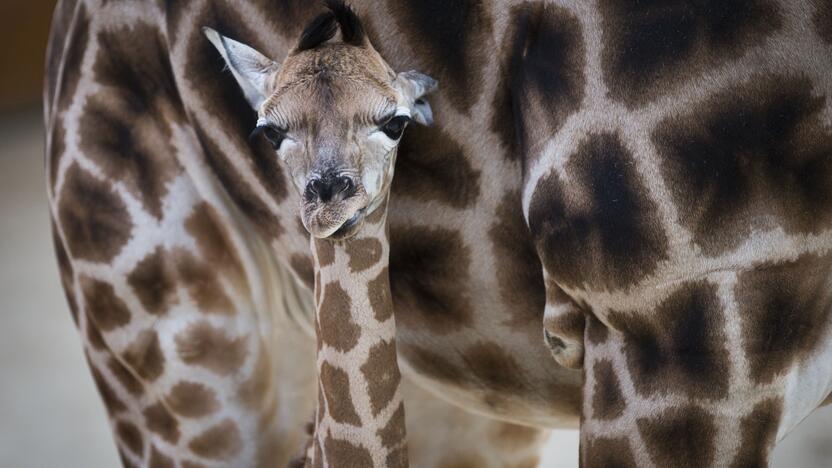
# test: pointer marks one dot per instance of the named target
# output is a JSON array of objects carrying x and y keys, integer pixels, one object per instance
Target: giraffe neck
[{"x": 360, "y": 415}]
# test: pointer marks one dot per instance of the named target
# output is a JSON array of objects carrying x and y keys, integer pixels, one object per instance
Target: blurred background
[{"x": 50, "y": 413}]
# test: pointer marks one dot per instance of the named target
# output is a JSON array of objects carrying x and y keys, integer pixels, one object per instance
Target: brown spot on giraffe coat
[
  {"x": 158, "y": 419},
  {"x": 596, "y": 332},
  {"x": 784, "y": 312},
  {"x": 203, "y": 345},
  {"x": 432, "y": 167},
  {"x": 393, "y": 432},
  {"x": 602, "y": 228},
  {"x": 607, "y": 400},
  {"x": 153, "y": 280},
  {"x": 203, "y": 284},
  {"x": 363, "y": 253},
  {"x": 381, "y": 372},
  {"x": 102, "y": 304},
  {"x": 337, "y": 328},
  {"x": 431, "y": 363},
  {"x": 680, "y": 437},
  {"x": 759, "y": 433},
  {"x": 125, "y": 377},
  {"x": 681, "y": 348},
  {"x": 144, "y": 355},
  {"x": 378, "y": 292},
  {"x": 343, "y": 454},
  {"x": 156, "y": 277},
  {"x": 428, "y": 268},
  {"x": 493, "y": 368},
  {"x": 607, "y": 453},
  {"x": 130, "y": 437},
  {"x": 647, "y": 54},
  {"x": 336, "y": 386},
  {"x": 192, "y": 399},
  {"x": 158, "y": 460},
  {"x": 93, "y": 218},
  {"x": 751, "y": 158},
  {"x": 325, "y": 251},
  {"x": 94, "y": 338},
  {"x": 450, "y": 41},
  {"x": 220, "y": 442}
]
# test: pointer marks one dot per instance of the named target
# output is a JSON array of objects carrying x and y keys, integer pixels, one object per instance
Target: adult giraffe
[{"x": 649, "y": 181}]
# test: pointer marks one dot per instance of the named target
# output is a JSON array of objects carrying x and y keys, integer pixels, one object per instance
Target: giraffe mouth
[
  {"x": 350, "y": 226},
  {"x": 335, "y": 219}
]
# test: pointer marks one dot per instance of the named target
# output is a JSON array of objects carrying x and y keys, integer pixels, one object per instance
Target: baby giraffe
[{"x": 334, "y": 111}]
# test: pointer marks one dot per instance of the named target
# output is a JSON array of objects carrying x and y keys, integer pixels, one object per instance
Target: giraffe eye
[
  {"x": 273, "y": 135},
  {"x": 395, "y": 126}
]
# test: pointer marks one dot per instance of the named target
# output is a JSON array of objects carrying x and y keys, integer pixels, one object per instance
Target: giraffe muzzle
[{"x": 336, "y": 217}]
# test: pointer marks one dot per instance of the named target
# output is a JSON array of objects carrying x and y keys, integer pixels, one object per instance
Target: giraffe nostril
[
  {"x": 315, "y": 185},
  {"x": 313, "y": 188},
  {"x": 345, "y": 185},
  {"x": 329, "y": 187}
]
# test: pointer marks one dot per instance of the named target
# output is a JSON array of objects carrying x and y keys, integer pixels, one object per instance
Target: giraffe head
[{"x": 334, "y": 113}]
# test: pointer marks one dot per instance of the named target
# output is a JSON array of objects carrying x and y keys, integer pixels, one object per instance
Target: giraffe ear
[
  {"x": 252, "y": 70},
  {"x": 416, "y": 86}
]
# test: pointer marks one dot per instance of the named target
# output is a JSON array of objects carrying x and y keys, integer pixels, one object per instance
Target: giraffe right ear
[{"x": 252, "y": 70}]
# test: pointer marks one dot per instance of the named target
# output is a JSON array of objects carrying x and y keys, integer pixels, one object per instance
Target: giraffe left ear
[
  {"x": 251, "y": 69},
  {"x": 416, "y": 86}
]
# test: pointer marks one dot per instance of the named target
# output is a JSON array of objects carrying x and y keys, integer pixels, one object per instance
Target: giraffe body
[{"x": 649, "y": 206}]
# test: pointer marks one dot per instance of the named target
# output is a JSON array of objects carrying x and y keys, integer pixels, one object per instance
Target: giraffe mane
[{"x": 323, "y": 27}]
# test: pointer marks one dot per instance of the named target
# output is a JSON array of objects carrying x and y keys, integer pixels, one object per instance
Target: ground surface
[{"x": 50, "y": 414}]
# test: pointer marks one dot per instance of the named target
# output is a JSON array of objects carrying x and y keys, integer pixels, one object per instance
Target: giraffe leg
[
  {"x": 443, "y": 435},
  {"x": 711, "y": 371},
  {"x": 189, "y": 368},
  {"x": 184, "y": 328},
  {"x": 638, "y": 410}
]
